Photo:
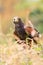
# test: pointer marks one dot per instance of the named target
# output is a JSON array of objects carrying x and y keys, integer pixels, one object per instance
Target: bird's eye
[
  {"x": 19, "y": 19},
  {"x": 14, "y": 19}
]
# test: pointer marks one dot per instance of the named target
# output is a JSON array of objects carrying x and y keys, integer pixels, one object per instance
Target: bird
[
  {"x": 23, "y": 31},
  {"x": 32, "y": 32},
  {"x": 19, "y": 29}
]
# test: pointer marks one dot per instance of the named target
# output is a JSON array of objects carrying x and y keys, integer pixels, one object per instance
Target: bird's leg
[{"x": 29, "y": 42}]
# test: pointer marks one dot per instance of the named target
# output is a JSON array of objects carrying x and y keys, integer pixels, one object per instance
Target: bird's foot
[{"x": 21, "y": 42}]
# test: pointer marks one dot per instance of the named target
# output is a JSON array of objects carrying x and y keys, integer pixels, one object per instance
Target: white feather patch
[
  {"x": 15, "y": 18},
  {"x": 33, "y": 33}
]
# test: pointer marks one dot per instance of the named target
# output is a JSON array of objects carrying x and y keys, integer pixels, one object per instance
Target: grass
[{"x": 11, "y": 53}]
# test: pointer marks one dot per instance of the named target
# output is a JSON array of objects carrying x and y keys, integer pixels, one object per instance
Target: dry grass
[{"x": 12, "y": 53}]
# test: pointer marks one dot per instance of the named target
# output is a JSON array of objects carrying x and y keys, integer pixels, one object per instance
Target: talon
[{"x": 19, "y": 41}]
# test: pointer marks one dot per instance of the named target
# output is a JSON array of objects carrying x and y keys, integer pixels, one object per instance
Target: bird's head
[{"x": 16, "y": 20}]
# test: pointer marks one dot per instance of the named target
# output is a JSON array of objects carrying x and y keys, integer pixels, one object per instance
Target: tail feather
[{"x": 35, "y": 41}]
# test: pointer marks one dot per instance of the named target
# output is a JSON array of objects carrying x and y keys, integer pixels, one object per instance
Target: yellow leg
[{"x": 29, "y": 42}]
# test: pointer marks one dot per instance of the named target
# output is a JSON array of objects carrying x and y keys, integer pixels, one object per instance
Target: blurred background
[{"x": 31, "y": 9}]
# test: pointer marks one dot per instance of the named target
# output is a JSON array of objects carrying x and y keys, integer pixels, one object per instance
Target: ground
[{"x": 12, "y": 53}]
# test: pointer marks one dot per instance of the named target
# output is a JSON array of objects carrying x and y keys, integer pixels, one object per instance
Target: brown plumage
[
  {"x": 32, "y": 33},
  {"x": 19, "y": 28},
  {"x": 22, "y": 31},
  {"x": 19, "y": 32}
]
